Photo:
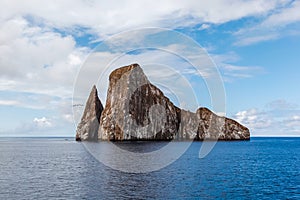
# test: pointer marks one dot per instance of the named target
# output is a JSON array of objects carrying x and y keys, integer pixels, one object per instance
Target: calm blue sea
[{"x": 60, "y": 168}]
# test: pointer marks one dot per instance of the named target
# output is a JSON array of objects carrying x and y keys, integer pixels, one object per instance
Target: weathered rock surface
[
  {"x": 137, "y": 110},
  {"x": 189, "y": 123},
  {"x": 204, "y": 124},
  {"x": 87, "y": 129},
  {"x": 212, "y": 126}
]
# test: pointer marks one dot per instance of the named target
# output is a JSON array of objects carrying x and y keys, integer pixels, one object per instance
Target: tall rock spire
[{"x": 87, "y": 129}]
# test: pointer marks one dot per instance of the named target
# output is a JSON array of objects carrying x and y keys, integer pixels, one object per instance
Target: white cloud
[
  {"x": 231, "y": 72},
  {"x": 106, "y": 18},
  {"x": 296, "y": 117},
  {"x": 40, "y": 126},
  {"x": 39, "y": 57},
  {"x": 47, "y": 61},
  {"x": 256, "y": 39},
  {"x": 203, "y": 27},
  {"x": 271, "y": 121},
  {"x": 272, "y": 26},
  {"x": 294, "y": 121},
  {"x": 52, "y": 60},
  {"x": 253, "y": 119},
  {"x": 8, "y": 103},
  {"x": 42, "y": 122},
  {"x": 287, "y": 15},
  {"x": 34, "y": 59},
  {"x": 68, "y": 118}
]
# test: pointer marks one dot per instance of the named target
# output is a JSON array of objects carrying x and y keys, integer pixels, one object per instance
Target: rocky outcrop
[
  {"x": 212, "y": 126},
  {"x": 87, "y": 129},
  {"x": 204, "y": 124},
  {"x": 137, "y": 110},
  {"x": 189, "y": 123}
]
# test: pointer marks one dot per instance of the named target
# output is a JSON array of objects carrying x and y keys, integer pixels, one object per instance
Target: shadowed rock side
[
  {"x": 137, "y": 110},
  {"x": 212, "y": 126},
  {"x": 87, "y": 129},
  {"x": 204, "y": 124}
]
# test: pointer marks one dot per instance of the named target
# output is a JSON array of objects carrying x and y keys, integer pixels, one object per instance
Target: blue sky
[{"x": 44, "y": 46}]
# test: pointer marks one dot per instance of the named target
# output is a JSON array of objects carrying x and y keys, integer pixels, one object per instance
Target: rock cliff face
[
  {"x": 137, "y": 110},
  {"x": 212, "y": 126},
  {"x": 87, "y": 129}
]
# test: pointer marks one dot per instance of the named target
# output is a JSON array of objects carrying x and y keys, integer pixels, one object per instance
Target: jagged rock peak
[
  {"x": 87, "y": 129},
  {"x": 117, "y": 73}
]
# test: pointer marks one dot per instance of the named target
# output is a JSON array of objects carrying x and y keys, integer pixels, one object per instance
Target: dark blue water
[{"x": 265, "y": 168}]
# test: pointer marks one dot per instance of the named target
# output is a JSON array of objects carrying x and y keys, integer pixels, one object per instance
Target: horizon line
[{"x": 28, "y": 136}]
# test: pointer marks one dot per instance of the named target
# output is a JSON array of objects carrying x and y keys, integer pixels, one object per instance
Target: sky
[{"x": 50, "y": 50}]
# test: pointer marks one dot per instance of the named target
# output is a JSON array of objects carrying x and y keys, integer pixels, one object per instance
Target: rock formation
[
  {"x": 134, "y": 107},
  {"x": 212, "y": 126},
  {"x": 137, "y": 110},
  {"x": 87, "y": 129}
]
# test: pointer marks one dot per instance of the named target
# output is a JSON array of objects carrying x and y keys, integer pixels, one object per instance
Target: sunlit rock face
[
  {"x": 137, "y": 110},
  {"x": 87, "y": 129}
]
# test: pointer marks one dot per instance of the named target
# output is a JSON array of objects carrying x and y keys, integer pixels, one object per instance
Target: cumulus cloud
[
  {"x": 42, "y": 122},
  {"x": 38, "y": 68},
  {"x": 254, "y": 119},
  {"x": 271, "y": 120},
  {"x": 34, "y": 59}
]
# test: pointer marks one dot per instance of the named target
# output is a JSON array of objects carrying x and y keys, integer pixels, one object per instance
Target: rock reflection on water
[{"x": 137, "y": 157}]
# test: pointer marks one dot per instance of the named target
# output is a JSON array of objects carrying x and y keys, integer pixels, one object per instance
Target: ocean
[{"x": 60, "y": 168}]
